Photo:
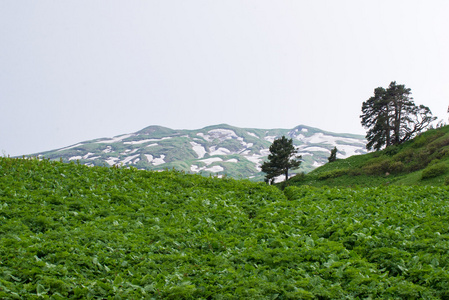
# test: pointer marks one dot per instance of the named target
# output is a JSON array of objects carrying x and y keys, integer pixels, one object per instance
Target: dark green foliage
[
  {"x": 282, "y": 157},
  {"x": 434, "y": 170},
  {"x": 392, "y": 118},
  {"x": 333, "y": 156},
  {"x": 333, "y": 174}
]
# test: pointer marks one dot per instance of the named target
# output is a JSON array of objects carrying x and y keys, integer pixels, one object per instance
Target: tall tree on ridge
[{"x": 392, "y": 117}]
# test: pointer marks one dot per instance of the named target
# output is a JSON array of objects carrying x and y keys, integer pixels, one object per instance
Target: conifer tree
[
  {"x": 392, "y": 117},
  {"x": 333, "y": 156},
  {"x": 282, "y": 157}
]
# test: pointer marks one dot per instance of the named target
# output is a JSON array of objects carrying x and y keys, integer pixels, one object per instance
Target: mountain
[{"x": 218, "y": 150}]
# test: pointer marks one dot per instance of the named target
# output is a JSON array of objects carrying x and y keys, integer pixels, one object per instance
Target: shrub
[
  {"x": 298, "y": 177},
  {"x": 377, "y": 166},
  {"x": 391, "y": 150},
  {"x": 446, "y": 180},
  {"x": 333, "y": 174},
  {"x": 396, "y": 167},
  {"x": 425, "y": 139},
  {"x": 420, "y": 161},
  {"x": 434, "y": 170},
  {"x": 383, "y": 165},
  {"x": 420, "y": 141},
  {"x": 405, "y": 156},
  {"x": 442, "y": 153}
]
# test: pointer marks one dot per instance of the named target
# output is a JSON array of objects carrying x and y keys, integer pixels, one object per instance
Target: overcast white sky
[{"x": 71, "y": 71}]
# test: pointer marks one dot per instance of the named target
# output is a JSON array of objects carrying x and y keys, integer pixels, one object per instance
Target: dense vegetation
[
  {"x": 421, "y": 161},
  {"x": 70, "y": 231}
]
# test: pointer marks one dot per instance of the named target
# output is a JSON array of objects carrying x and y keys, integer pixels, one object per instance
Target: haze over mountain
[{"x": 218, "y": 150}]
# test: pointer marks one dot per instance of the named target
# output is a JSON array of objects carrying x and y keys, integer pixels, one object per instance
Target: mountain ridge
[{"x": 219, "y": 150}]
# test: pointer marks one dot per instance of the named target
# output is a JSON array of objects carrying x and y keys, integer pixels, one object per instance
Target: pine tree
[
  {"x": 333, "y": 156},
  {"x": 392, "y": 117},
  {"x": 282, "y": 157}
]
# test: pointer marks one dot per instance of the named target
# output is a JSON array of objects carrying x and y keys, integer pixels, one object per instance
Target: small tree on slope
[
  {"x": 282, "y": 157},
  {"x": 333, "y": 156}
]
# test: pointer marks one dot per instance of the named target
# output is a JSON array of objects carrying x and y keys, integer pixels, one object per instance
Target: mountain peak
[{"x": 155, "y": 128}]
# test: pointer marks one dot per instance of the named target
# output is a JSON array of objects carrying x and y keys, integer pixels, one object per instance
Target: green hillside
[
  {"x": 69, "y": 231},
  {"x": 421, "y": 161}
]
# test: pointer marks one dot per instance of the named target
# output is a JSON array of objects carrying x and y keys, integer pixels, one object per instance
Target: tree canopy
[
  {"x": 392, "y": 117},
  {"x": 283, "y": 157}
]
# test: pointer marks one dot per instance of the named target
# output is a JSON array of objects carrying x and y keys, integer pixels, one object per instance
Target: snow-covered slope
[{"x": 219, "y": 150}]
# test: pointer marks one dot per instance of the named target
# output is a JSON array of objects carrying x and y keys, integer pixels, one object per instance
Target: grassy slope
[
  {"x": 70, "y": 231},
  {"x": 402, "y": 165}
]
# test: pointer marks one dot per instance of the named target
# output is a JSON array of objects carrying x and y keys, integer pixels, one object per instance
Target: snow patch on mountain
[
  {"x": 305, "y": 153},
  {"x": 204, "y": 136},
  {"x": 116, "y": 139},
  {"x": 112, "y": 161},
  {"x": 315, "y": 149},
  {"x": 252, "y": 134},
  {"x": 270, "y": 138},
  {"x": 211, "y": 160},
  {"x": 213, "y": 169},
  {"x": 345, "y": 151},
  {"x": 129, "y": 151},
  {"x": 244, "y": 144},
  {"x": 218, "y": 134},
  {"x": 87, "y": 155},
  {"x": 232, "y": 160},
  {"x": 264, "y": 152},
  {"x": 256, "y": 159},
  {"x": 155, "y": 161},
  {"x": 199, "y": 149},
  {"x": 317, "y": 164},
  {"x": 158, "y": 161},
  {"x": 129, "y": 158},
  {"x": 222, "y": 134},
  {"x": 107, "y": 150},
  {"x": 147, "y": 141},
  {"x": 320, "y": 138},
  {"x": 70, "y": 147},
  {"x": 219, "y": 151}
]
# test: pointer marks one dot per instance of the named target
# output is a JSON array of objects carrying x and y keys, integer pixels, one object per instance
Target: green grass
[{"x": 412, "y": 163}]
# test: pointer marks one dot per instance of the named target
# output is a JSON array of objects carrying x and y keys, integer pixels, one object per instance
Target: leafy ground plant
[{"x": 68, "y": 231}]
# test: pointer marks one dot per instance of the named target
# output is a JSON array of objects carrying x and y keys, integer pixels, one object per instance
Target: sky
[{"x": 72, "y": 71}]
